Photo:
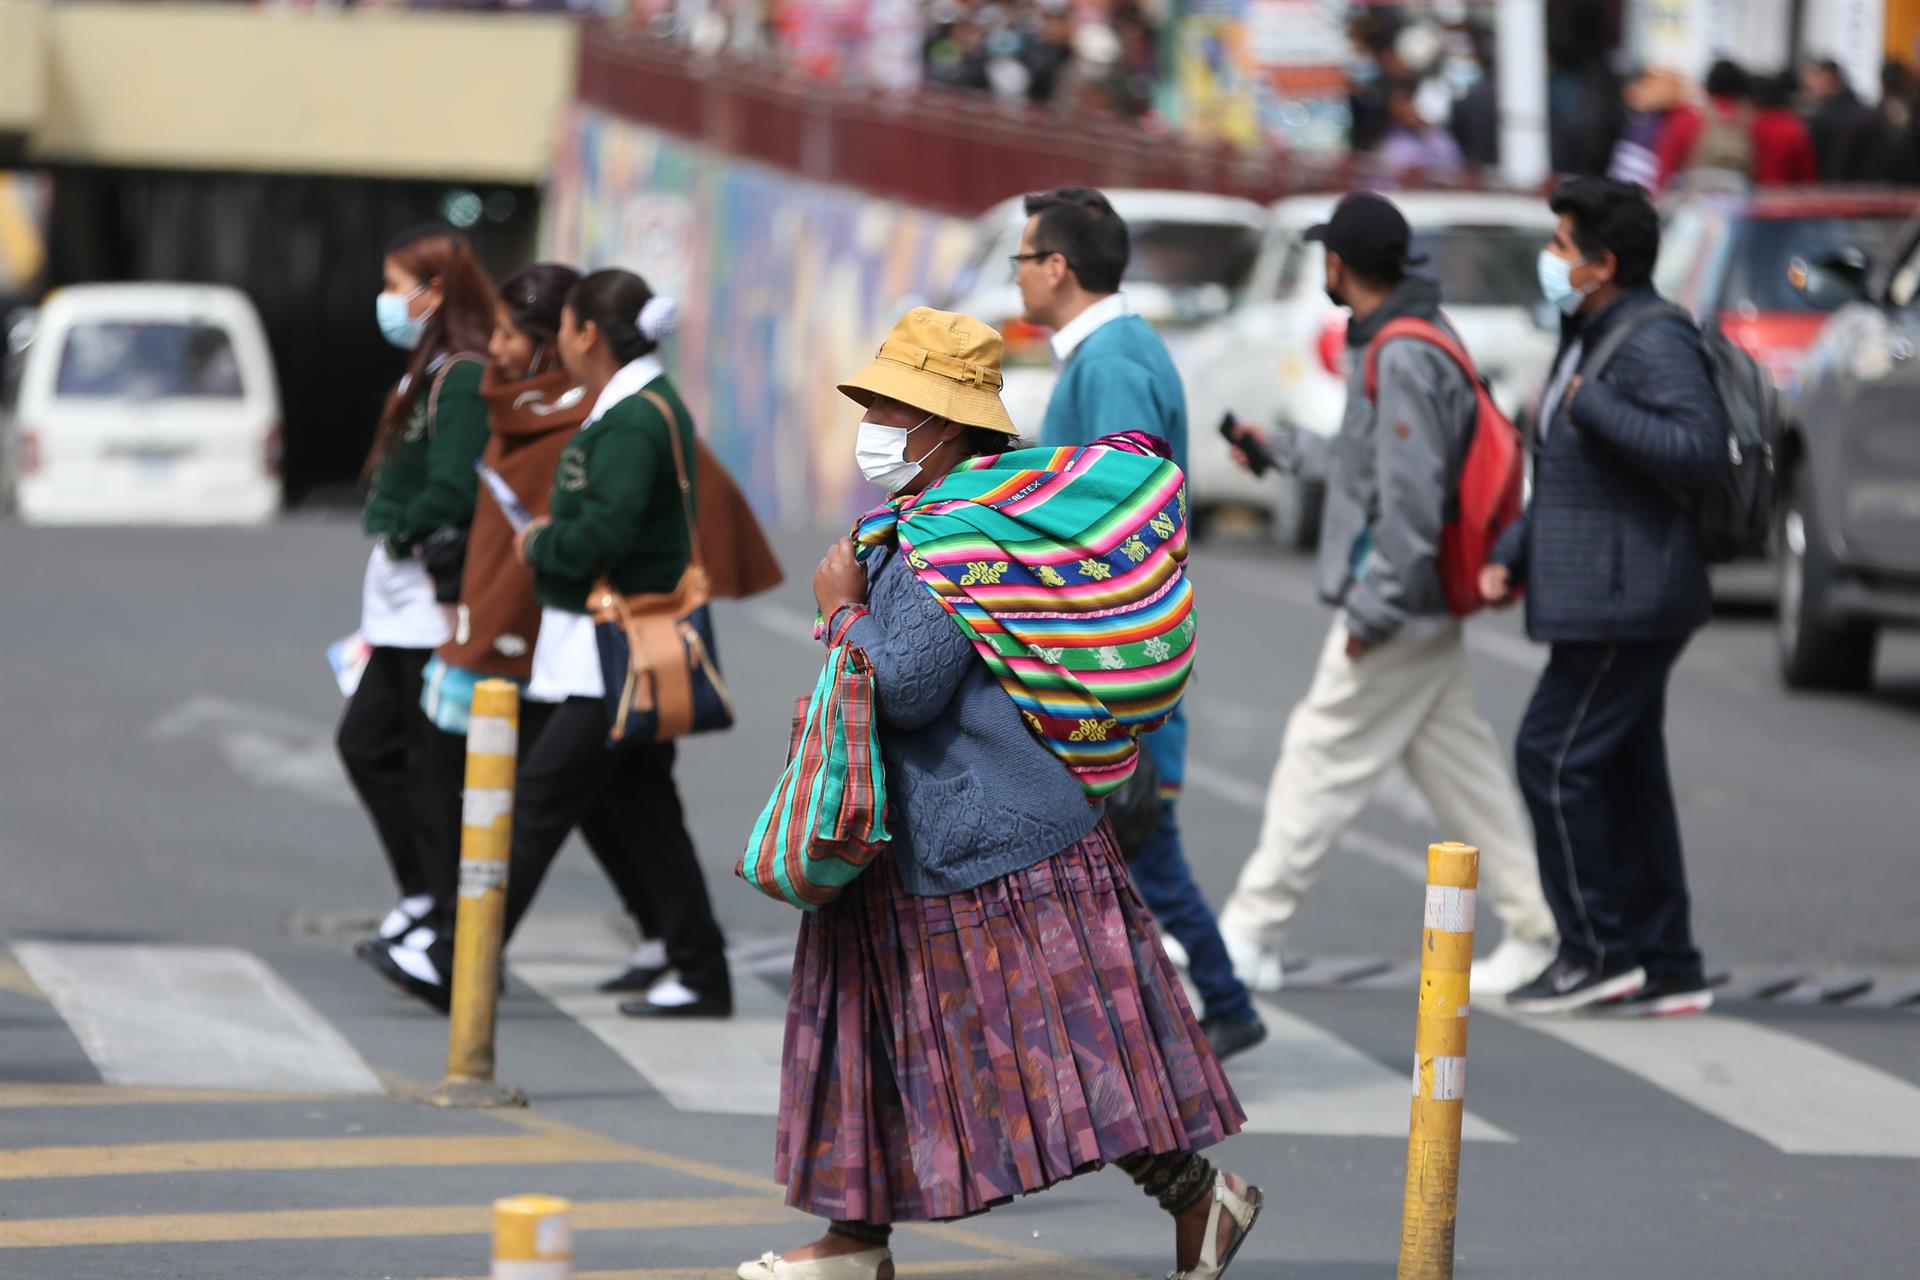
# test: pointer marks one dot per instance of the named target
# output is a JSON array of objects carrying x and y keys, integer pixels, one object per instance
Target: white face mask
[{"x": 881, "y": 452}]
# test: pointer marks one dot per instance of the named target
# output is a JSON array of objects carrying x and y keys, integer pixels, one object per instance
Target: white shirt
[
  {"x": 397, "y": 608},
  {"x": 566, "y": 659},
  {"x": 1081, "y": 327}
]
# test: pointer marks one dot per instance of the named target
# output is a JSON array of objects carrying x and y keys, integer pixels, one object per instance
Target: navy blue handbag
[{"x": 660, "y": 668}]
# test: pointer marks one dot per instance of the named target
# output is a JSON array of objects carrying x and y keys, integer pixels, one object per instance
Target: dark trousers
[
  {"x": 445, "y": 770},
  {"x": 565, "y": 772},
  {"x": 382, "y": 740},
  {"x": 1592, "y": 757},
  {"x": 1165, "y": 882}
]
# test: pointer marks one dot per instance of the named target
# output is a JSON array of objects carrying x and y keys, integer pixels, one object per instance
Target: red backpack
[{"x": 1488, "y": 497}]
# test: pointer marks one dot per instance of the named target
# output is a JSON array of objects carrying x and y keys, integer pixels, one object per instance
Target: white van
[{"x": 146, "y": 404}]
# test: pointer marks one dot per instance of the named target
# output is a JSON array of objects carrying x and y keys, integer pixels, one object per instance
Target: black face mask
[{"x": 1333, "y": 295}]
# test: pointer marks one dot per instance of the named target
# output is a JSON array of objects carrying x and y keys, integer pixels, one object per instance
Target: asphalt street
[{"x": 196, "y": 1078}]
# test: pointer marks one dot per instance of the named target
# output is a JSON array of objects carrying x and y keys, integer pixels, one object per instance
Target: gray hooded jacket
[{"x": 1393, "y": 473}]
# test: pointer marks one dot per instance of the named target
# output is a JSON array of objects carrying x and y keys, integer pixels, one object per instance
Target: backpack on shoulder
[
  {"x": 1735, "y": 517},
  {"x": 1487, "y": 497}
]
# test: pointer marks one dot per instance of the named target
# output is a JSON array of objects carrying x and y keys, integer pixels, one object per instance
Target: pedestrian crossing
[{"x": 221, "y": 1019}]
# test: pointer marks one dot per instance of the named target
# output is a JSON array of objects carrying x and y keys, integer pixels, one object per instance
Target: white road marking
[
  {"x": 1307, "y": 1080},
  {"x": 193, "y": 1017},
  {"x": 729, "y": 1067},
  {"x": 1793, "y": 1094},
  {"x": 265, "y": 746}
]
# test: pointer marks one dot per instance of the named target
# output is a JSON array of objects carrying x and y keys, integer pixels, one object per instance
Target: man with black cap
[{"x": 1391, "y": 687}]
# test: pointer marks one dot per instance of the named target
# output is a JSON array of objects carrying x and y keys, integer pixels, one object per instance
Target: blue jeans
[{"x": 1161, "y": 875}]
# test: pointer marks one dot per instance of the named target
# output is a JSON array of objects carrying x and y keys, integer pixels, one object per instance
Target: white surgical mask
[
  {"x": 1556, "y": 282},
  {"x": 881, "y": 452},
  {"x": 391, "y": 311}
]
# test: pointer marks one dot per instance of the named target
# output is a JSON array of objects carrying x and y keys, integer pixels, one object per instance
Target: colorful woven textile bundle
[{"x": 1064, "y": 567}]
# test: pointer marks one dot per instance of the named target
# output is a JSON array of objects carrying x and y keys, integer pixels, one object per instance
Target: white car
[
  {"x": 1190, "y": 253},
  {"x": 146, "y": 404},
  {"x": 1280, "y": 355}
]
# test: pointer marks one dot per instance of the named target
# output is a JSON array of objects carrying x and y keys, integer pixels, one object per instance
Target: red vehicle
[{"x": 1742, "y": 256}]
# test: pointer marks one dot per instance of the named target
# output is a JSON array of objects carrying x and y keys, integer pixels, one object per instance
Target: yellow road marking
[
  {"x": 297, "y": 1154},
  {"x": 16, "y": 979},
  {"x": 107, "y": 1095},
  {"x": 369, "y": 1224},
  {"x": 959, "y": 1270}
]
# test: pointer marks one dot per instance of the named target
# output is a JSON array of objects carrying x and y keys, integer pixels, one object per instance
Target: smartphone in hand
[{"x": 1259, "y": 460}]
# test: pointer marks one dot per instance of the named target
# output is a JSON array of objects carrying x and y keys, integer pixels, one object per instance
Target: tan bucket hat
[{"x": 941, "y": 363}]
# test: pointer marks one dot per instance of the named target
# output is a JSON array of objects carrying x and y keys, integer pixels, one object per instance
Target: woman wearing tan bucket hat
[{"x": 986, "y": 1010}]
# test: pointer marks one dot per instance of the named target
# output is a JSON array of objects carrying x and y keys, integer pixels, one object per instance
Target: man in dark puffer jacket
[{"x": 1615, "y": 581}]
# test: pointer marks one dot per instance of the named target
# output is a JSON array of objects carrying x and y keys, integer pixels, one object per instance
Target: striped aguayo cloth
[{"x": 1064, "y": 568}]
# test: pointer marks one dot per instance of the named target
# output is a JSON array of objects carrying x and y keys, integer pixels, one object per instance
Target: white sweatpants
[{"x": 1408, "y": 702}]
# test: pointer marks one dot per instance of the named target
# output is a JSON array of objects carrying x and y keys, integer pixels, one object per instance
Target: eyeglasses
[{"x": 1017, "y": 258}]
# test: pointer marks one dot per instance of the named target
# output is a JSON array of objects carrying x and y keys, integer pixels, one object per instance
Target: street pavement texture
[{"x": 198, "y": 1080}]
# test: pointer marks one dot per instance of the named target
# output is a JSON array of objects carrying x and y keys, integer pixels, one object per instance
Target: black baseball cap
[{"x": 1368, "y": 231}]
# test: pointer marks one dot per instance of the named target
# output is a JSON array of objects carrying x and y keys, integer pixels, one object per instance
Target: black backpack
[{"x": 1735, "y": 518}]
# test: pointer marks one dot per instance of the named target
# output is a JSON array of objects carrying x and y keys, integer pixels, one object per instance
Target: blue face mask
[
  {"x": 403, "y": 330},
  {"x": 1556, "y": 282}
]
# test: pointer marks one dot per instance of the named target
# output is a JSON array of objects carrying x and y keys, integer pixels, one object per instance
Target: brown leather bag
[{"x": 656, "y": 649}]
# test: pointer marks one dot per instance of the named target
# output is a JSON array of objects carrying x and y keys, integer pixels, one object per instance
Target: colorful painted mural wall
[{"x": 784, "y": 287}]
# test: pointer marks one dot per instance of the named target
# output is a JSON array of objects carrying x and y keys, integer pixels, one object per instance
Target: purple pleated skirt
[{"x": 946, "y": 1054}]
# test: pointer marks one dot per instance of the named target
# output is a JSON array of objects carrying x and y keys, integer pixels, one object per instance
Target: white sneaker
[
  {"x": 1254, "y": 964},
  {"x": 1512, "y": 964},
  {"x": 1175, "y": 952}
]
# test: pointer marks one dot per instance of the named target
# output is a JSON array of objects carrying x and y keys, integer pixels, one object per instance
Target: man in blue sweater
[{"x": 1116, "y": 375}]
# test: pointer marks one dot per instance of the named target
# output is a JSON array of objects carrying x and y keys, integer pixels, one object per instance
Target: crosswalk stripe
[
  {"x": 207, "y": 1017},
  {"x": 377, "y": 1223},
  {"x": 1799, "y": 1097},
  {"x": 1306, "y": 1080},
  {"x": 959, "y": 1269},
  {"x": 727, "y": 1068},
  {"x": 293, "y": 1155}
]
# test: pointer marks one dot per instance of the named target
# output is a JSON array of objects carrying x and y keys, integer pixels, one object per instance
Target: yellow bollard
[
  {"x": 531, "y": 1239},
  {"x": 486, "y": 837},
  {"x": 1439, "y": 1065}
]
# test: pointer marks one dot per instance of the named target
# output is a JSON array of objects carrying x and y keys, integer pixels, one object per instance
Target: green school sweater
[
  {"x": 426, "y": 480},
  {"x": 616, "y": 506}
]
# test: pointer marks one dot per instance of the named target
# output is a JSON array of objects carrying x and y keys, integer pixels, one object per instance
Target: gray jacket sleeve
[
  {"x": 1420, "y": 394},
  {"x": 919, "y": 655}
]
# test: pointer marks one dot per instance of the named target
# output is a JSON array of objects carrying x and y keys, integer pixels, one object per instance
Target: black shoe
[
  {"x": 1664, "y": 998},
  {"x": 399, "y": 922},
  {"x": 436, "y": 995},
  {"x": 701, "y": 1006},
  {"x": 1229, "y": 1038},
  {"x": 639, "y": 978},
  {"x": 1565, "y": 987}
]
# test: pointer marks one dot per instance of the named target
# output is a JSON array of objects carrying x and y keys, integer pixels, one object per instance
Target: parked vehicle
[
  {"x": 1280, "y": 355},
  {"x": 1849, "y": 513},
  {"x": 1729, "y": 255},
  {"x": 146, "y": 403},
  {"x": 1191, "y": 253}
]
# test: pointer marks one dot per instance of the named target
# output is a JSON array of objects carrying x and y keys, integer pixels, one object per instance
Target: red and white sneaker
[{"x": 1663, "y": 998}]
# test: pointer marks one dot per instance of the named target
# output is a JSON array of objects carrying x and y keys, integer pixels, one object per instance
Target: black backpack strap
[{"x": 1593, "y": 362}]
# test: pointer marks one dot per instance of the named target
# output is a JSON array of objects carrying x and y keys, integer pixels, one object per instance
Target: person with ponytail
[
  {"x": 437, "y": 305},
  {"x": 616, "y": 514}
]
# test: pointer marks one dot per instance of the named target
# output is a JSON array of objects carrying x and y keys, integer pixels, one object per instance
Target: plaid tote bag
[{"x": 826, "y": 819}]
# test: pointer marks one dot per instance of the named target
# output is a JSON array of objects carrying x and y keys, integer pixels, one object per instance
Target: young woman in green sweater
[
  {"x": 437, "y": 304},
  {"x": 616, "y": 514}
]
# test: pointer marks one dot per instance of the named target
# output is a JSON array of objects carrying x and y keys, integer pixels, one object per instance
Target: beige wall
[
  {"x": 367, "y": 92},
  {"x": 22, "y": 65}
]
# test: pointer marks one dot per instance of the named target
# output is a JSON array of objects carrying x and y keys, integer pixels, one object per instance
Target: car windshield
[
  {"x": 1482, "y": 266},
  {"x": 148, "y": 360},
  {"x": 1769, "y": 246},
  {"x": 1178, "y": 255}
]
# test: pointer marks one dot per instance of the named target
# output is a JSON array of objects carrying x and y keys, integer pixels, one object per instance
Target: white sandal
[
  {"x": 864, "y": 1265},
  {"x": 1242, "y": 1210}
]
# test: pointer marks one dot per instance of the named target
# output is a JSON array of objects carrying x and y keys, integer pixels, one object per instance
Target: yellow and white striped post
[
  {"x": 532, "y": 1239},
  {"x": 486, "y": 838},
  {"x": 1439, "y": 1064}
]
